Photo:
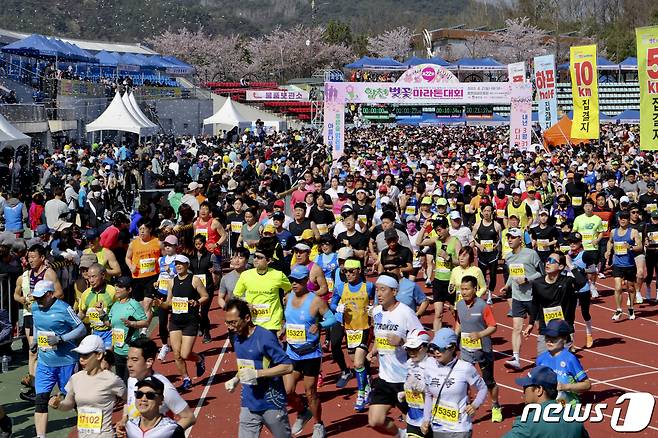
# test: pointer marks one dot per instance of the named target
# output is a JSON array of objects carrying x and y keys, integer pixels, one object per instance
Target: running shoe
[
  {"x": 320, "y": 380},
  {"x": 428, "y": 283},
  {"x": 201, "y": 366},
  {"x": 206, "y": 338},
  {"x": 6, "y": 425},
  {"x": 589, "y": 342},
  {"x": 509, "y": 313},
  {"x": 617, "y": 315},
  {"x": 301, "y": 421},
  {"x": 489, "y": 301},
  {"x": 631, "y": 314},
  {"x": 186, "y": 385},
  {"x": 638, "y": 298},
  {"x": 163, "y": 352},
  {"x": 318, "y": 431},
  {"x": 497, "y": 415},
  {"x": 28, "y": 395},
  {"x": 513, "y": 363},
  {"x": 345, "y": 377},
  {"x": 361, "y": 402},
  {"x": 402, "y": 433},
  {"x": 594, "y": 291},
  {"x": 601, "y": 275}
]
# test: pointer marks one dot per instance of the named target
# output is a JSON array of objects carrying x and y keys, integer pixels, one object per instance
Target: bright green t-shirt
[
  {"x": 122, "y": 335},
  {"x": 261, "y": 291},
  {"x": 589, "y": 228}
]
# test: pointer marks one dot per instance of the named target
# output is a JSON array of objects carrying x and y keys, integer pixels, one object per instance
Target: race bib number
[
  {"x": 118, "y": 337},
  {"x": 452, "y": 202},
  {"x": 470, "y": 344},
  {"x": 604, "y": 225},
  {"x": 410, "y": 210},
  {"x": 587, "y": 237},
  {"x": 90, "y": 420},
  {"x": 296, "y": 334},
  {"x": 621, "y": 248},
  {"x": 323, "y": 229},
  {"x": 163, "y": 284},
  {"x": 500, "y": 214},
  {"x": 94, "y": 316},
  {"x": 542, "y": 245},
  {"x": 42, "y": 340},
  {"x": 202, "y": 278},
  {"x": 236, "y": 227},
  {"x": 179, "y": 305},
  {"x": 441, "y": 265},
  {"x": 414, "y": 399},
  {"x": 261, "y": 313},
  {"x": 146, "y": 265},
  {"x": 383, "y": 346},
  {"x": 363, "y": 218},
  {"x": 330, "y": 284},
  {"x": 565, "y": 248},
  {"x": 246, "y": 364},
  {"x": 354, "y": 338},
  {"x": 551, "y": 313},
  {"x": 651, "y": 208},
  {"x": 653, "y": 236},
  {"x": 577, "y": 201},
  {"x": 488, "y": 245},
  {"x": 202, "y": 231},
  {"x": 517, "y": 270},
  {"x": 446, "y": 414}
]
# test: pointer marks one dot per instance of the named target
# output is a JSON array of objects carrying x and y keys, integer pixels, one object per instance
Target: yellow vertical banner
[
  {"x": 585, "y": 92},
  {"x": 647, "y": 71}
]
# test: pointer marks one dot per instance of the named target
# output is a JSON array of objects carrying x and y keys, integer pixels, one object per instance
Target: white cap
[
  {"x": 455, "y": 215},
  {"x": 516, "y": 191},
  {"x": 193, "y": 186},
  {"x": 180, "y": 258},
  {"x": 416, "y": 338},
  {"x": 42, "y": 287},
  {"x": 385, "y": 200},
  {"x": 345, "y": 253},
  {"x": 624, "y": 200},
  {"x": 90, "y": 344},
  {"x": 302, "y": 247}
]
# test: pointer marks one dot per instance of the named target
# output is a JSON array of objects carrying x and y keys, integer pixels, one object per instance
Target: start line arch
[{"x": 338, "y": 94}]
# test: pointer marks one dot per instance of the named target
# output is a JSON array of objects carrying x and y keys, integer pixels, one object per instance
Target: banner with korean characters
[
  {"x": 521, "y": 116},
  {"x": 293, "y": 96},
  {"x": 546, "y": 93},
  {"x": 585, "y": 92},
  {"x": 647, "y": 71},
  {"x": 516, "y": 72}
]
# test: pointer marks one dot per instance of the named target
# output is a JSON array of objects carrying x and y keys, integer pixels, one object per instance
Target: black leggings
[
  {"x": 121, "y": 366},
  {"x": 204, "y": 325},
  {"x": 336, "y": 335},
  {"x": 585, "y": 299},
  {"x": 163, "y": 325},
  {"x": 489, "y": 267},
  {"x": 652, "y": 265}
]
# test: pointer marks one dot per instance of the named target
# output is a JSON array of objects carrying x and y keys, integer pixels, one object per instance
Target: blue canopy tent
[
  {"x": 33, "y": 46},
  {"x": 601, "y": 64},
  {"x": 629, "y": 63},
  {"x": 479, "y": 64},
  {"x": 129, "y": 62},
  {"x": 108, "y": 59},
  {"x": 629, "y": 116},
  {"x": 414, "y": 60},
  {"x": 603, "y": 117},
  {"x": 439, "y": 61},
  {"x": 178, "y": 67},
  {"x": 368, "y": 63}
]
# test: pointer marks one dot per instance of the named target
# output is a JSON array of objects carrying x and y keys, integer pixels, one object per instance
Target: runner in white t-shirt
[{"x": 392, "y": 322}]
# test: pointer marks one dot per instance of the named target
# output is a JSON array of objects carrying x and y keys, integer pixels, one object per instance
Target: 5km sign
[{"x": 636, "y": 419}]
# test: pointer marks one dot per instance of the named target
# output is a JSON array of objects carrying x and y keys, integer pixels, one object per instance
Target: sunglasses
[
  {"x": 433, "y": 348},
  {"x": 552, "y": 261},
  {"x": 413, "y": 350},
  {"x": 352, "y": 271},
  {"x": 635, "y": 212},
  {"x": 259, "y": 256},
  {"x": 149, "y": 395}
]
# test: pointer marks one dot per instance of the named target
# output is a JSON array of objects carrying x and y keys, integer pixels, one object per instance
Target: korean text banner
[
  {"x": 647, "y": 70},
  {"x": 334, "y": 129},
  {"x": 516, "y": 72},
  {"x": 546, "y": 96},
  {"x": 276, "y": 95},
  {"x": 435, "y": 93},
  {"x": 521, "y": 116},
  {"x": 585, "y": 93}
]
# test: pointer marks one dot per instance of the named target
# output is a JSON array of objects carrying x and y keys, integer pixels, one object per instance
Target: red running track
[{"x": 624, "y": 358}]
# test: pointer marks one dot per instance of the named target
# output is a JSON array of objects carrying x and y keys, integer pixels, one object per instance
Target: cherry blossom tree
[
  {"x": 394, "y": 43},
  {"x": 521, "y": 41}
]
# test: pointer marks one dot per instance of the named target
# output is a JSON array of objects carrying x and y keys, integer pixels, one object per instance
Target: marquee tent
[
  {"x": 228, "y": 117},
  {"x": 140, "y": 113},
  {"x": 414, "y": 60},
  {"x": 149, "y": 127},
  {"x": 602, "y": 63},
  {"x": 629, "y": 116},
  {"x": 377, "y": 63},
  {"x": 479, "y": 64},
  {"x": 116, "y": 117},
  {"x": 629, "y": 63},
  {"x": 10, "y": 135},
  {"x": 560, "y": 134}
]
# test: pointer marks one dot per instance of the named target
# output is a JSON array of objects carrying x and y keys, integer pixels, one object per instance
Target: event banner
[
  {"x": 521, "y": 116},
  {"x": 516, "y": 72},
  {"x": 546, "y": 93},
  {"x": 647, "y": 71},
  {"x": 585, "y": 92},
  {"x": 491, "y": 93},
  {"x": 277, "y": 95},
  {"x": 334, "y": 127}
]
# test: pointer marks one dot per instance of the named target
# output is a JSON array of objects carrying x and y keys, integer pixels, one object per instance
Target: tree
[
  {"x": 338, "y": 32},
  {"x": 521, "y": 41},
  {"x": 394, "y": 43}
]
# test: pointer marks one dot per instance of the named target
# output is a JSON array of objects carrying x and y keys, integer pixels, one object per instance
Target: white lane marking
[{"x": 624, "y": 377}]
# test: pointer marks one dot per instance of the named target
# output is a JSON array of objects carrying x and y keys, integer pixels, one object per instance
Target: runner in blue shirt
[
  {"x": 571, "y": 377},
  {"x": 56, "y": 327},
  {"x": 261, "y": 363}
]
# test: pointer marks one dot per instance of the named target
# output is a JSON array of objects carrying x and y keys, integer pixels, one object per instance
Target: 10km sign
[{"x": 637, "y": 417}]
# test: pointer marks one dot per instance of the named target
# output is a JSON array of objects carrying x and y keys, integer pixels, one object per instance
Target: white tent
[
  {"x": 116, "y": 117},
  {"x": 10, "y": 135},
  {"x": 228, "y": 117},
  {"x": 141, "y": 116}
]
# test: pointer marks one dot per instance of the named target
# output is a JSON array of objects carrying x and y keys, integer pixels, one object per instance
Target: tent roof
[
  {"x": 227, "y": 116},
  {"x": 629, "y": 63},
  {"x": 10, "y": 135},
  {"x": 479, "y": 64},
  {"x": 560, "y": 134},
  {"x": 438, "y": 61},
  {"x": 629, "y": 115},
  {"x": 116, "y": 117},
  {"x": 602, "y": 63},
  {"x": 140, "y": 114},
  {"x": 178, "y": 66},
  {"x": 39, "y": 46},
  {"x": 110, "y": 59},
  {"x": 602, "y": 117},
  {"x": 146, "y": 124},
  {"x": 376, "y": 63},
  {"x": 414, "y": 60}
]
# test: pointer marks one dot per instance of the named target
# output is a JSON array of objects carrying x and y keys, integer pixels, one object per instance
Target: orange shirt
[{"x": 145, "y": 257}]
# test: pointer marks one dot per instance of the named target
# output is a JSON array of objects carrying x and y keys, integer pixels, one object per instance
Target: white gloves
[
  {"x": 414, "y": 384},
  {"x": 248, "y": 376},
  {"x": 231, "y": 384}
]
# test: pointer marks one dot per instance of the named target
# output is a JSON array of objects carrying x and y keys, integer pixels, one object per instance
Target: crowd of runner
[{"x": 305, "y": 254}]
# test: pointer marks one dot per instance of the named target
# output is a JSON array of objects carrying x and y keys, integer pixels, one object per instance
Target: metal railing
[
  {"x": 61, "y": 113},
  {"x": 23, "y": 112},
  {"x": 8, "y": 304}
]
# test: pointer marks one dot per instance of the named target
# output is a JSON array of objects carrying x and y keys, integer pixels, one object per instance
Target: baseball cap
[
  {"x": 41, "y": 230},
  {"x": 442, "y": 202},
  {"x": 123, "y": 282},
  {"x": 390, "y": 234},
  {"x": 575, "y": 237},
  {"x": 385, "y": 200},
  {"x": 516, "y": 191},
  {"x": 279, "y": 203},
  {"x": 543, "y": 212},
  {"x": 530, "y": 189},
  {"x": 307, "y": 234},
  {"x": 539, "y": 376},
  {"x": 166, "y": 223},
  {"x": 152, "y": 382},
  {"x": 624, "y": 200},
  {"x": 345, "y": 253},
  {"x": 278, "y": 216},
  {"x": 426, "y": 200},
  {"x": 556, "y": 327},
  {"x": 299, "y": 272},
  {"x": 193, "y": 186},
  {"x": 180, "y": 258},
  {"x": 352, "y": 264},
  {"x": 437, "y": 192},
  {"x": 42, "y": 287},
  {"x": 416, "y": 338},
  {"x": 455, "y": 215},
  {"x": 445, "y": 337},
  {"x": 269, "y": 229},
  {"x": 86, "y": 260},
  {"x": 171, "y": 240},
  {"x": 90, "y": 344},
  {"x": 302, "y": 247},
  {"x": 92, "y": 234},
  {"x": 383, "y": 188},
  {"x": 514, "y": 232}
]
